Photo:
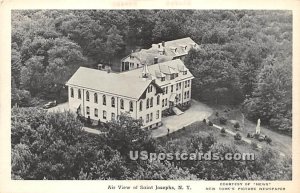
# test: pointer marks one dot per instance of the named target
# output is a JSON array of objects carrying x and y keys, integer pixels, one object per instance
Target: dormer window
[
  {"x": 172, "y": 76},
  {"x": 185, "y": 47},
  {"x": 184, "y": 72},
  {"x": 163, "y": 79}
]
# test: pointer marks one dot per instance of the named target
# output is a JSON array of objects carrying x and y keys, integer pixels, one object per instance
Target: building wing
[{"x": 124, "y": 85}]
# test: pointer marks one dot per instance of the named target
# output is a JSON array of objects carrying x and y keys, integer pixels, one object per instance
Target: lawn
[
  {"x": 181, "y": 137},
  {"x": 280, "y": 142}
]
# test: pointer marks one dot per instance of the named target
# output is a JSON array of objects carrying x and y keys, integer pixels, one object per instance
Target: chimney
[
  {"x": 155, "y": 60},
  {"x": 163, "y": 43}
]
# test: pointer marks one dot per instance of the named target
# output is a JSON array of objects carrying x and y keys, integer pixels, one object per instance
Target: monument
[{"x": 258, "y": 127}]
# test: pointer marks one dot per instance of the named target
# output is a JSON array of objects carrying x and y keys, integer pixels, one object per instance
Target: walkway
[{"x": 197, "y": 112}]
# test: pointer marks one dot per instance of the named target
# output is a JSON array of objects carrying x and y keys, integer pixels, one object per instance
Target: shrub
[
  {"x": 99, "y": 123},
  {"x": 210, "y": 123},
  {"x": 261, "y": 138},
  {"x": 248, "y": 135},
  {"x": 89, "y": 121},
  {"x": 256, "y": 136},
  {"x": 254, "y": 145},
  {"x": 268, "y": 140},
  {"x": 204, "y": 120},
  {"x": 223, "y": 130},
  {"x": 236, "y": 125},
  {"x": 237, "y": 136},
  {"x": 223, "y": 120},
  {"x": 217, "y": 114}
]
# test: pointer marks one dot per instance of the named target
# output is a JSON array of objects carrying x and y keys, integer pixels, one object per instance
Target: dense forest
[
  {"x": 53, "y": 146},
  {"x": 245, "y": 57}
]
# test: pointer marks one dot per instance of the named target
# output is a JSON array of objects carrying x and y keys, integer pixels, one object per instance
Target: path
[{"x": 197, "y": 112}]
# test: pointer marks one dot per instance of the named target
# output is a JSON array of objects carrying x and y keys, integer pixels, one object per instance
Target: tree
[
  {"x": 272, "y": 97},
  {"x": 127, "y": 135},
  {"x": 216, "y": 80}
]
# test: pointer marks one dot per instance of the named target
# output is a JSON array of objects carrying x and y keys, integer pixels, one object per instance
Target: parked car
[{"x": 50, "y": 104}]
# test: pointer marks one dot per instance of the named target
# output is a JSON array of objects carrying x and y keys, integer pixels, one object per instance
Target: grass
[
  {"x": 181, "y": 137},
  {"x": 280, "y": 142}
]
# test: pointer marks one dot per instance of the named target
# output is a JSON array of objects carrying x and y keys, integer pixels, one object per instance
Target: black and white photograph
[{"x": 152, "y": 94}]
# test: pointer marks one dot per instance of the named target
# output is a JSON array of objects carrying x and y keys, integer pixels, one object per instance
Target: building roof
[
  {"x": 174, "y": 48},
  {"x": 159, "y": 69},
  {"x": 122, "y": 84},
  {"x": 147, "y": 58}
]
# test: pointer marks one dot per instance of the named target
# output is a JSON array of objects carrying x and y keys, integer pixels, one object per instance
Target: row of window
[
  {"x": 113, "y": 101},
  {"x": 104, "y": 113},
  {"x": 187, "y": 83},
  {"x": 149, "y": 117},
  {"x": 149, "y": 102},
  {"x": 178, "y": 86},
  {"x": 186, "y": 95}
]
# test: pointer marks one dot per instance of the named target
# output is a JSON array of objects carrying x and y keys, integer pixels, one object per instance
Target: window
[
  {"x": 158, "y": 99},
  {"x": 113, "y": 116},
  {"x": 131, "y": 106},
  {"x": 147, "y": 118},
  {"x": 171, "y": 88},
  {"x": 185, "y": 84},
  {"x": 151, "y": 117},
  {"x": 87, "y": 110},
  {"x": 172, "y": 76},
  {"x": 184, "y": 72},
  {"x": 113, "y": 102},
  {"x": 166, "y": 102},
  {"x": 166, "y": 90},
  {"x": 184, "y": 95},
  {"x": 95, "y": 98},
  {"x": 104, "y": 99},
  {"x": 150, "y": 89},
  {"x": 96, "y": 112},
  {"x": 163, "y": 102},
  {"x": 72, "y": 92},
  {"x": 141, "y": 105},
  {"x": 163, "y": 79},
  {"x": 122, "y": 104},
  {"x": 87, "y": 96},
  {"x": 104, "y": 114},
  {"x": 79, "y": 94},
  {"x": 157, "y": 114},
  {"x": 151, "y": 102},
  {"x": 147, "y": 105},
  {"x": 177, "y": 86},
  {"x": 137, "y": 65},
  {"x": 188, "y": 94},
  {"x": 179, "y": 97}
]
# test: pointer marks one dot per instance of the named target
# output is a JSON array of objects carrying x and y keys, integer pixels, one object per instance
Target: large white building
[{"x": 143, "y": 92}]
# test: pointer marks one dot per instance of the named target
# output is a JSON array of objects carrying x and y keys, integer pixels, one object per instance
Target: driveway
[{"x": 197, "y": 112}]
